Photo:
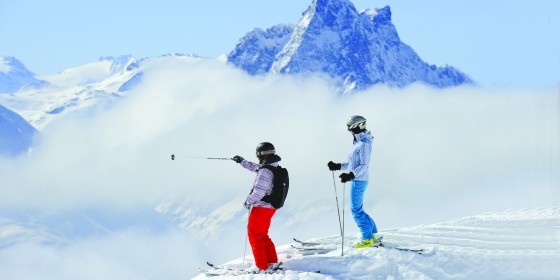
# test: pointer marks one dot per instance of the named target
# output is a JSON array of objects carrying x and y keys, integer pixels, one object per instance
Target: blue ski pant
[{"x": 363, "y": 220}]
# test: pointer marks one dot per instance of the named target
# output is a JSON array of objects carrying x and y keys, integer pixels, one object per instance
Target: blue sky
[{"x": 503, "y": 44}]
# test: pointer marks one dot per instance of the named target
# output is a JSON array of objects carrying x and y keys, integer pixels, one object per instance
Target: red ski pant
[{"x": 261, "y": 244}]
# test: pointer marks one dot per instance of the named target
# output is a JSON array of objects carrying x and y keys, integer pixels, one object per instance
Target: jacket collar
[
  {"x": 363, "y": 137},
  {"x": 272, "y": 159}
]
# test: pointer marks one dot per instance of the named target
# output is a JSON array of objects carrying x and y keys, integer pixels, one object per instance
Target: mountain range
[{"x": 356, "y": 49}]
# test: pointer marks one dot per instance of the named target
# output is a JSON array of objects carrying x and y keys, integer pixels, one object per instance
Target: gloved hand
[
  {"x": 345, "y": 177},
  {"x": 247, "y": 205},
  {"x": 334, "y": 166},
  {"x": 238, "y": 159}
]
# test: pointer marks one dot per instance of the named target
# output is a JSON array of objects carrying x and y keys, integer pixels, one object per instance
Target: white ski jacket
[{"x": 359, "y": 157}]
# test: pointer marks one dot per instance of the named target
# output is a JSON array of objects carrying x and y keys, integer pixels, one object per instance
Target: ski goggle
[
  {"x": 263, "y": 153},
  {"x": 356, "y": 125}
]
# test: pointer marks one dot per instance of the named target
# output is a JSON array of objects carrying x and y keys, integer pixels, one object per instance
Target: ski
[
  {"x": 319, "y": 246},
  {"x": 305, "y": 248},
  {"x": 379, "y": 243},
  {"x": 216, "y": 270},
  {"x": 419, "y": 251},
  {"x": 230, "y": 272},
  {"x": 305, "y": 243},
  {"x": 277, "y": 267},
  {"x": 221, "y": 267},
  {"x": 312, "y": 248}
]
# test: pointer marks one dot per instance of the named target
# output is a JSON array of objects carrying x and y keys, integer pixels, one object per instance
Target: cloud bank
[{"x": 426, "y": 140}]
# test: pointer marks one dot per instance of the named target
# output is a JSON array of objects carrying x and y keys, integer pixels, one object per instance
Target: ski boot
[
  {"x": 367, "y": 243},
  {"x": 274, "y": 266}
]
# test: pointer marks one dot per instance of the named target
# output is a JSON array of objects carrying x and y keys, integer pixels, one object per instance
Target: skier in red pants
[{"x": 261, "y": 213}]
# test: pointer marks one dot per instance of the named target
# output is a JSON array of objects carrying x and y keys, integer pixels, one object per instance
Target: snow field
[{"x": 507, "y": 245}]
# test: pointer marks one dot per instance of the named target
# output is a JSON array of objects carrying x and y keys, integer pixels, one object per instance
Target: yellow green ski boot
[{"x": 367, "y": 243}]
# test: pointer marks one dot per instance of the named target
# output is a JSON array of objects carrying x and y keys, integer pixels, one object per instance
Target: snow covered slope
[
  {"x": 507, "y": 245},
  {"x": 356, "y": 49},
  {"x": 14, "y": 76},
  {"x": 82, "y": 88},
  {"x": 91, "y": 72},
  {"x": 71, "y": 90},
  {"x": 16, "y": 133}
]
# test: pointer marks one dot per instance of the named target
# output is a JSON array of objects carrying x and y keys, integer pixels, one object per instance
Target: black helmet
[
  {"x": 356, "y": 123},
  {"x": 265, "y": 149}
]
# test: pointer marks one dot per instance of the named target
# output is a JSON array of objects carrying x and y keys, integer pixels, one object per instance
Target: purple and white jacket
[{"x": 262, "y": 184}]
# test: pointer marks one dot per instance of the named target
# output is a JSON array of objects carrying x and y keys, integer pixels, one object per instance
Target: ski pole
[
  {"x": 343, "y": 207},
  {"x": 246, "y": 237},
  {"x": 173, "y": 157},
  {"x": 337, "y": 208}
]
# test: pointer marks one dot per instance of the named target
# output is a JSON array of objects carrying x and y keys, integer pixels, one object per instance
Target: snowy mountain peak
[
  {"x": 371, "y": 13},
  {"x": 6, "y": 63},
  {"x": 120, "y": 63},
  {"x": 14, "y": 75},
  {"x": 256, "y": 51},
  {"x": 380, "y": 16},
  {"x": 356, "y": 49},
  {"x": 331, "y": 12},
  {"x": 11, "y": 64},
  {"x": 319, "y": 29}
]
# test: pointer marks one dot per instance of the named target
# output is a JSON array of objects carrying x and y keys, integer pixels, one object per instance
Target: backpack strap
[
  {"x": 269, "y": 167},
  {"x": 272, "y": 169}
]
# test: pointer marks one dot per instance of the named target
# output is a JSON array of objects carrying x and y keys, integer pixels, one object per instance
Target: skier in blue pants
[{"x": 358, "y": 173}]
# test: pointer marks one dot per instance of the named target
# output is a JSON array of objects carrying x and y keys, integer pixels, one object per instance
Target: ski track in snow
[{"x": 507, "y": 245}]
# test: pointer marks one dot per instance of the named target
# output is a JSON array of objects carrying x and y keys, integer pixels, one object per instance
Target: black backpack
[{"x": 280, "y": 186}]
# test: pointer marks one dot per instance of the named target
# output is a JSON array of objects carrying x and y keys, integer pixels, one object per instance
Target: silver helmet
[{"x": 356, "y": 122}]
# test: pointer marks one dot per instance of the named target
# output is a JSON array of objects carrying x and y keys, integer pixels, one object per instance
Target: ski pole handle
[{"x": 173, "y": 157}]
